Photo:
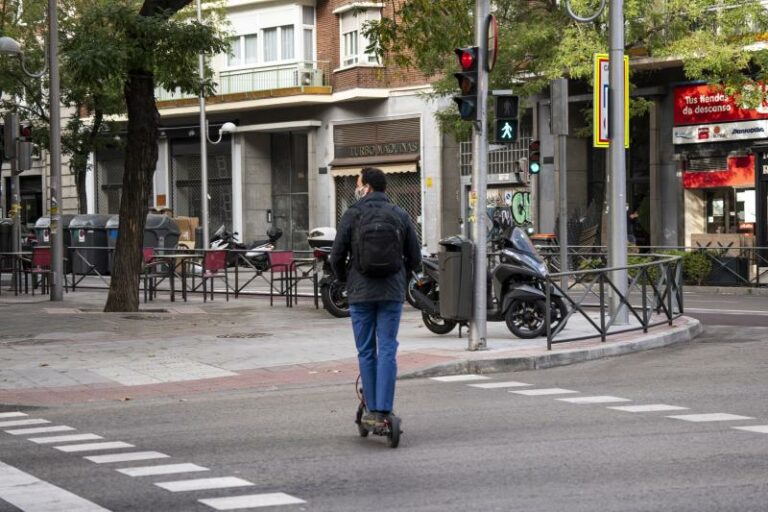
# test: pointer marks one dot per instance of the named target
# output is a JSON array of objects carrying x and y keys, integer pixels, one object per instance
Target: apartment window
[
  {"x": 279, "y": 43},
  {"x": 308, "y": 20},
  {"x": 354, "y": 42},
  {"x": 243, "y": 50},
  {"x": 308, "y": 15}
]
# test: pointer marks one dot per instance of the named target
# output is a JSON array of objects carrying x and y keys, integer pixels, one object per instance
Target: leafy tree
[
  {"x": 138, "y": 45},
  {"x": 538, "y": 41}
]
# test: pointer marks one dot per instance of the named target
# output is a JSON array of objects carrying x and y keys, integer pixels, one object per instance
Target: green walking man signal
[{"x": 507, "y": 123}]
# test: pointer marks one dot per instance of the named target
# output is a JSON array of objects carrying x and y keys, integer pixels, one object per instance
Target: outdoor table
[
  {"x": 306, "y": 268},
  {"x": 173, "y": 260}
]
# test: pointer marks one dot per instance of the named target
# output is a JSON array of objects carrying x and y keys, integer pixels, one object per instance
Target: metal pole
[
  {"x": 16, "y": 205},
  {"x": 617, "y": 255},
  {"x": 57, "y": 238},
  {"x": 477, "y": 332},
  {"x": 203, "y": 143},
  {"x": 562, "y": 162}
]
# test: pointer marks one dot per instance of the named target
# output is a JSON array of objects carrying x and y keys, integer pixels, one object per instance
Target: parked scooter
[
  {"x": 255, "y": 252},
  {"x": 333, "y": 292},
  {"x": 516, "y": 291}
]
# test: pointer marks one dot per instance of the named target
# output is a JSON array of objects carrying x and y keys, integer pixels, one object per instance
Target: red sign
[
  {"x": 740, "y": 173},
  {"x": 704, "y": 104}
]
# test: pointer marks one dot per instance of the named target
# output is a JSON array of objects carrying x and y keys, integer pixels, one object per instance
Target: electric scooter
[{"x": 391, "y": 429}]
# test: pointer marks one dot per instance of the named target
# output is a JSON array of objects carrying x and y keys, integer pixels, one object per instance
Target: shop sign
[
  {"x": 704, "y": 104},
  {"x": 383, "y": 149},
  {"x": 721, "y": 132}
]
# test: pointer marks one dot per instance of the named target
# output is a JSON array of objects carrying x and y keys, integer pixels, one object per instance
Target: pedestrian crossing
[
  {"x": 557, "y": 394},
  {"x": 30, "y": 494}
]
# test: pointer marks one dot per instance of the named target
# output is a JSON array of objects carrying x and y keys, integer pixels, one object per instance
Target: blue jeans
[{"x": 375, "y": 326}]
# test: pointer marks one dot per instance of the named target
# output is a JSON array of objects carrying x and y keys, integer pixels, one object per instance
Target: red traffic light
[{"x": 467, "y": 58}]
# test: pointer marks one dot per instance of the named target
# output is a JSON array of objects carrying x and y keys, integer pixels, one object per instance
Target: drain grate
[{"x": 244, "y": 335}]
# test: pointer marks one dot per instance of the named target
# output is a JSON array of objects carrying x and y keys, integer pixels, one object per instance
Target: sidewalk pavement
[{"x": 70, "y": 351}]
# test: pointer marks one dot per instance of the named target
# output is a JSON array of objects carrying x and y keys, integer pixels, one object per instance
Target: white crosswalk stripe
[
  {"x": 14, "y": 414},
  {"x": 64, "y": 439},
  {"x": 760, "y": 429},
  {"x": 718, "y": 416},
  {"x": 499, "y": 385},
  {"x": 204, "y": 484},
  {"x": 594, "y": 400},
  {"x": 460, "y": 378},
  {"x": 252, "y": 501},
  {"x": 166, "y": 469},
  {"x": 30, "y": 494},
  {"x": 90, "y": 447},
  {"x": 21, "y": 423},
  {"x": 39, "y": 430},
  {"x": 648, "y": 408},
  {"x": 544, "y": 392},
  {"x": 126, "y": 457}
]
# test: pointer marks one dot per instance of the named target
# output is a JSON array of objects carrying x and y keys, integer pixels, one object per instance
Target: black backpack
[{"x": 377, "y": 240}]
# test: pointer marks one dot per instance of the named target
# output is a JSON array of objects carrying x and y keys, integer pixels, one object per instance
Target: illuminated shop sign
[{"x": 704, "y": 104}]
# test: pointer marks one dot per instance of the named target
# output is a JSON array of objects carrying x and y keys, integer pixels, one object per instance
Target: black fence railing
[{"x": 654, "y": 296}]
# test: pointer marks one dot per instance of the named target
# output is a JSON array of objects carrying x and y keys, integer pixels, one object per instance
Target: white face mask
[{"x": 360, "y": 192}]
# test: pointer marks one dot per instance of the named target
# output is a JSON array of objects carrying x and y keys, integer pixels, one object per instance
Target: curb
[
  {"x": 728, "y": 290},
  {"x": 687, "y": 332}
]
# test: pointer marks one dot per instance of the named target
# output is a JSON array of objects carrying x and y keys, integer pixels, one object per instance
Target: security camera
[{"x": 228, "y": 128}]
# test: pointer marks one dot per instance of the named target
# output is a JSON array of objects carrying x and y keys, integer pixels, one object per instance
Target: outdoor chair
[
  {"x": 153, "y": 271},
  {"x": 40, "y": 265},
  {"x": 282, "y": 271},
  {"x": 215, "y": 266}
]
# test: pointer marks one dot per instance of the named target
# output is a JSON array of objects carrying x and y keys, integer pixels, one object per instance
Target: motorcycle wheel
[
  {"x": 437, "y": 324},
  {"x": 526, "y": 318},
  {"x": 334, "y": 297},
  {"x": 560, "y": 310},
  {"x": 413, "y": 284}
]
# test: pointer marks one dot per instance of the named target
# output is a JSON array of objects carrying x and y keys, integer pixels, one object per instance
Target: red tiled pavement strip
[{"x": 296, "y": 375}]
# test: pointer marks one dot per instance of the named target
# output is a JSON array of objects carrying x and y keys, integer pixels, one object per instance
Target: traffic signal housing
[
  {"x": 24, "y": 149},
  {"x": 534, "y": 157},
  {"x": 506, "y": 119},
  {"x": 467, "y": 78}
]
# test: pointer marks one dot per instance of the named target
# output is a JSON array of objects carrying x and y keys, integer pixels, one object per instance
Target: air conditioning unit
[{"x": 306, "y": 77}]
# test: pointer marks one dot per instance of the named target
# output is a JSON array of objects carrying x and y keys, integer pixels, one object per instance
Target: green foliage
[
  {"x": 696, "y": 266},
  {"x": 538, "y": 41}
]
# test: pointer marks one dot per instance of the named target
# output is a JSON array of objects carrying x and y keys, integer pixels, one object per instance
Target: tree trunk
[
  {"x": 140, "y": 161},
  {"x": 82, "y": 197}
]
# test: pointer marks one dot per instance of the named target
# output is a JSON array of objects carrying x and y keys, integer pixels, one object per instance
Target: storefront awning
[{"x": 387, "y": 169}]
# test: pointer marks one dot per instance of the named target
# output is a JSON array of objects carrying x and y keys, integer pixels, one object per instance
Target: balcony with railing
[{"x": 303, "y": 77}]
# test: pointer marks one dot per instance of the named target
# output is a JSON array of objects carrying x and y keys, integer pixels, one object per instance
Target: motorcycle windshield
[{"x": 522, "y": 243}]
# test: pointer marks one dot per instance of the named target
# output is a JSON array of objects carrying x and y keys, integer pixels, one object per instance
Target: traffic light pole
[
  {"x": 57, "y": 236},
  {"x": 478, "y": 327}
]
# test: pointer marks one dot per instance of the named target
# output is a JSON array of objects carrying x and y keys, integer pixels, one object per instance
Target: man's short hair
[{"x": 375, "y": 178}]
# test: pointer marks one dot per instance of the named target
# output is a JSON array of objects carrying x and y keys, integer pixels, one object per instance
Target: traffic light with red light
[
  {"x": 467, "y": 78},
  {"x": 534, "y": 157},
  {"x": 24, "y": 148}
]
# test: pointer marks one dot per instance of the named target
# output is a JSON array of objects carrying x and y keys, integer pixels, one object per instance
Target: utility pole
[
  {"x": 203, "y": 142},
  {"x": 57, "y": 237},
  {"x": 558, "y": 109},
  {"x": 478, "y": 327},
  {"x": 617, "y": 252}
]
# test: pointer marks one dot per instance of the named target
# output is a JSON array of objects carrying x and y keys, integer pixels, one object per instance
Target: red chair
[
  {"x": 214, "y": 262},
  {"x": 282, "y": 264},
  {"x": 153, "y": 272},
  {"x": 40, "y": 266}
]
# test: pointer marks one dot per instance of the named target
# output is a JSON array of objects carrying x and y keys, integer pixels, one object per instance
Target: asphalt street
[{"x": 548, "y": 440}]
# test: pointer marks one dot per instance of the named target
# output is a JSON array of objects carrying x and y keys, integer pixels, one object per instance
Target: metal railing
[
  {"x": 654, "y": 297},
  {"x": 263, "y": 78}
]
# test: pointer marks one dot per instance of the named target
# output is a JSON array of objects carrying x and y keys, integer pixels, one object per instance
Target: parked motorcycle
[
  {"x": 255, "y": 252},
  {"x": 516, "y": 291},
  {"x": 419, "y": 281},
  {"x": 333, "y": 292}
]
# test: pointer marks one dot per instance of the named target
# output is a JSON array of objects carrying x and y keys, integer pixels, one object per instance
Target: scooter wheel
[
  {"x": 393, "y": 437},
  {"x": 526, "y": 318},
  {"x": 334, "y": 297},
  {"x": 437, "y": 324},
  {"x": 359, "y": 420}
]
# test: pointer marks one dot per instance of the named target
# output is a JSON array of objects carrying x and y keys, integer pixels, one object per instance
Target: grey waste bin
[
  {"x": 456, "y": 284},
  {"x": 112, "y": 226},
  {"x": 43, "y": 235},
  {"x": 89, "y": 242},
  {"x": 161, "y": 231},
  {"x": 6, "y": 235}
]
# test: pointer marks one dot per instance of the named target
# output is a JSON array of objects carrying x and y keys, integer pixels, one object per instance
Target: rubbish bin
[
  {"x": 89, "y": 238},
  {"x": 161, "y": 232},
  {"x": 112, "y": 226},
  {"x": 6, "y": 235},
  {"x": 43, "y": 235},
  {"x": 456, "y": 284}
]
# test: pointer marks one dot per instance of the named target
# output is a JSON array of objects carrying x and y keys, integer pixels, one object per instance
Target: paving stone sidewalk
[{"x": 70, "y": 351}]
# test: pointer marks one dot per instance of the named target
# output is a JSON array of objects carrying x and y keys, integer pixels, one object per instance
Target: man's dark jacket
[{"x": 361, "y": 288}]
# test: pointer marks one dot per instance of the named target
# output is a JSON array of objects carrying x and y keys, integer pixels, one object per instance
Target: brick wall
[{"x": 329, "y": 49}]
